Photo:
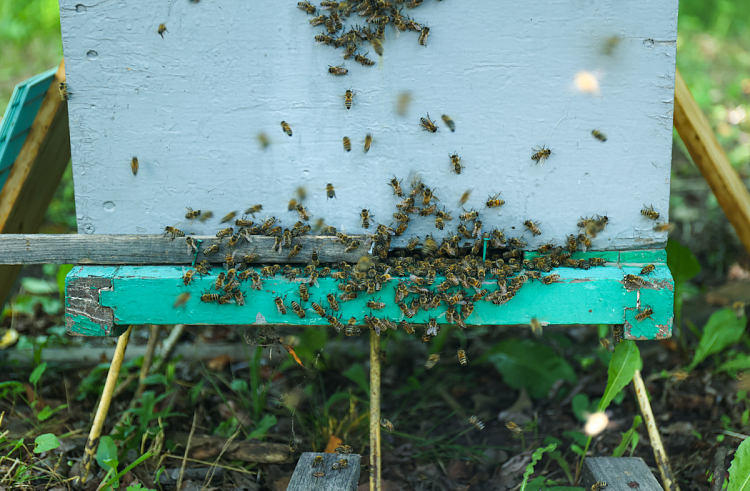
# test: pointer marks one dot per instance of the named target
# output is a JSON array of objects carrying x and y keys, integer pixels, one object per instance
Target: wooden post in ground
[
  {"x": 374, "y": 411},
  {"x": 35, "y": 174},
  {"x": 709, "y": 156}
]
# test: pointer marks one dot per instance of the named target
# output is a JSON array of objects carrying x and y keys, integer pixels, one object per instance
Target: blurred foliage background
[{"x": 713, "y": 54}]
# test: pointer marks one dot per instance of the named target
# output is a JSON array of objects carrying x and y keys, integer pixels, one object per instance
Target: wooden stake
[
  {"x": 89, "y": 452},
  {"x": 709, "y": 156},
  {"x": 375, "y": 483}
]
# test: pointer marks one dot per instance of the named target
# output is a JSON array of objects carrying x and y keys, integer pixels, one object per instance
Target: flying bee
[
  {"x": 162, "y": 29},
  {"x": 424, "y": 33},
  {"x": 432, "y": 361},
  {"x": 476, "y": 422},
  {"x": 317, "y": 461},
  {"x": 377, "y": 46},
  {"x": 647, "y": 313},
  {"x": 347, "y": 144},
  {"x": 337, "y": 70},
  {"x": 330, "y": 192},
  {"x": 229, "y": 217},
  {"x": 599, "y": 135},
  {"x": 541, "y": 154},
  {"x": 364, "y": 60},
  {"x": 368, "y": 142},
  {"x": 303, "y": 213},
  {"x": 427, "y": 124},
  {"x": 181, "y": 299},
  {"x": 188, "y": 277},
  {"x": 206, "y": 215},
  {"x": 649, "y": 212},
  {"x": 456, "y": 163},
  {"x": 462, "y": 357},
  {"x": 134, "y": 165},
  {"x": 365, "y": 218},
  {"x": 397, "y": 186},
  {"x": 663, "y": 227},
  {"x": 494, "y": 202},
  {"x": 536, "y": 327},
  {"x": 280, "y": 305},
  {"x": 464, "y": 197},
  {"x": 210, "y": 297},
  {"x": 348, "y": 98},
  {"x": 514, "y": 427},
  {"x": 64, "y": 96},
  {"x": 307, "y": 7},
  {"x": 449, "y": 122},
  {"x": 387, "y": 425},
  {"x": 648, "y": 269},
  {"x": 174, "y": 232},
  {"x": 532, "y": 227},
  {"x": 297, "y": 308}
]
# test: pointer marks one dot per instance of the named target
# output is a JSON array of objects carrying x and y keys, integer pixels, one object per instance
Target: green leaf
[
  {"x": 37, "y": 373},
  {"x": 739, "y": 471},
  {"x": 739, "y": 364},
  {"x": 35, "y": 286},
  {"x": 45, "y": 442},
  {"x": 154, "y": 379},
  {"x": 625, "y": 361},
  {"x": 535, "y": 457},
  {"x": 62, "y": 272},
  {"x": 722, "y": 329},
  {"x": 356, "y": 374},
  {"x": 107, "y": 452},
  {"x": 528, "y": 364},
  {"x": 627, "y": 437},
  {"x": 45, "y": 413},
  {"x": 136, "y": 487},
  {"x": 268, "y": 422},
  {"x": 682, "y": 263},
  {"x": 576, "y": 436},
  {"x": 580, "y": 405}
]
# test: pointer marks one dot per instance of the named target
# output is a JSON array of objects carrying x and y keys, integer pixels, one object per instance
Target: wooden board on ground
[
  {"x": 190, "y": 102},
  {"x": 620, "y": 474},
  {"x": 306, "y": 477}
]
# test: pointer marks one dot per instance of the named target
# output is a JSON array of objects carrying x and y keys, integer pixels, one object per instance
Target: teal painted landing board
[
  {"x": 19, "y": 116},
  {"x": 146, "y": 295}
]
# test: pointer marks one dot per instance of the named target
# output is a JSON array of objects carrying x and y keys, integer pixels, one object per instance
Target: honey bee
[
  {"x": 323, "y": 39},
  {"x": 229, "y": 217},
  {"x": 348, "y": 98},
  {"x": 210, "y": 297},
  {"x": 133, "y": 165},
  {"x": 532, "y": 227},
  {"x": 427, "y": 124},
  {"x": 188, "y": 277},
  {"x": 304, "y": 293},
  {"x": 317, "y": 461},
  {"x": 476, "y": 422},
  {"x": 233, "y": 240},
  {"x": 584, "y": 241},
  {"x": 295, "y": 250},
  {"x": 377, "y": 46},
  {"x": 387, "y": 425},
  {"x": 456, "y": 163},
  {"x": 319, "y": 309},
  {"x": 368, "y": 142},
  {"x": 174, "y": 232},
  {"x": 397, "y": 186},
  {"x": 317, "y": 21},
  {"x": 263, "y": 140},
  {"x": 517, "y": 243},
  {"x": 307, "y": 7},
  {"x": 364, "y": 60},
  {"x": 344, "y": 449},
  {"x": 439, "y": 223},
  {"x": 432, "y": 361},
  {"x": 347, "y": 144},
  {"x": 649, "y": 212},
  {"x": 182, "y": 299},
  {"x": 424, "y": 33},
  {"x": 598, "y": 486},
  {"x": 647, "y": 313},
  {"x": 494, "y": 202},
  {"x": 211, "y": 250},
  {"x": 648, "y": 269},
  {"x": 462, "y": 357},
  {"x": 241, "y": 222},
  {"x": 604, "y": 342},
  {"x": 286, "y": 128},
  {"x": 635, "y": 280},
  {"x": 617, "y": 332},
  {"x": 536, "y": 327},
  {"x": 375, "y": 305},
  {"x": 330, "y": 192},
  {"x": 340, "y": 464},
  {"x": 64, "y": 96},
  {"x": 162, "y": 29},
  {"x": 227, "y": 232},
  {"x": 553, "y": 278},
  {"x": 206, "y": 215},
  {"x": 597, "y": 261},
  {"x": 280, "y": 305},
  {"x": 663, "y": 227},
  {"x": 514, "y": 427},
  {"x": 303, "y": 213},
  {"x": 219, "y": 281},
  {"x": 365, "y": 218},
  {"x": 572, "y": 243},
  {"x": 599, "y": 135},
  {"x": 297, "y": 308},
  {"x": 449, "y": 122},
  {"x": 541, "y": 154},
  {"x": 332, "y": 302},
  {"x": 337, "y": 70},
  {"x": 468, "y": 216}
]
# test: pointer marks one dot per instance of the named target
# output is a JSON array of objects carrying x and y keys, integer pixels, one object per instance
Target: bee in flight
[
  {"x": 348, "y": 98},
  {"x": 456, "y": 163},
  {"x": 649, "y": 212},
  {"x": 368, "y": 142},
  {"x": 449, "y": 122},
  {"x": 134, "y": 165},
  {"x": 432, "y": 361},
  {"x": 337, "y": 70},
  {"x": 476, "y": 422},
  {"x": 514, "y": 427},
  {"x": 599, "y": 135},
  {"x": 229, "y": 217},
  {"x": 263, "y": 140},
  {"x": 387, "y": 425},
  {"x": 462, "y": 359},
  {"x": 377, "y": 45},
  {"x": 541, "y": 154},
  {"x": 162, "y": 29},
  {"x": 182, "y": 299},
  {"x": 286, "y": 128},
  {"x": 330, "y": 192},
  {"x": 347, "y": 144},
  {"x": 427, "y": 124}
]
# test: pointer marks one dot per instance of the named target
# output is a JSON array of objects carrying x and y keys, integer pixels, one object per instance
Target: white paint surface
[{"x": 189, "y": 106}]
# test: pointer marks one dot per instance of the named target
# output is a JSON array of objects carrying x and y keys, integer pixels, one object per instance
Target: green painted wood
[
  {"x": 146, "y": 294},
  {"x": 646, "y": 256}
]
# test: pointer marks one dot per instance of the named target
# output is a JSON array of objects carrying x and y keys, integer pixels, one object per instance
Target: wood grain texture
[
  {"x": 84, "y": 314},
  {"x": 333, "y": 480},
  {"x": 147, "y": 294},
  {"x": 708, "y": 154},
  {"x": 35, "y": 174},
  {"x": 190, "y": 105},
  {"x": 157, "y": 249},
  {"x": 617, "y": 472}
]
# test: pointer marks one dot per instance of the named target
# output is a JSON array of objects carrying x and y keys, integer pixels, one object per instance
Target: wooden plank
[
  {"x": 620, "y": 474},
  {"x": 708, "y": 154},
  {"x": 173, "y": 102},
  {"x": 84, "y": 310},
  {"x": 157, "y": 249},
  {"x": 35, "y": 174},
  {"x": 147, "y": 294},
  {"x": 346, "y": 479}
]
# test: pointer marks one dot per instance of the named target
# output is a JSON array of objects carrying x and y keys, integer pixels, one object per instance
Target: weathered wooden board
[
  {"x": 190, "y": 104},
  {"x": 620, "y": 474},
  {"x": 147, "y": 294},
  {"x": 156, "y": 249},
  {"x": 304, "y": 479}
]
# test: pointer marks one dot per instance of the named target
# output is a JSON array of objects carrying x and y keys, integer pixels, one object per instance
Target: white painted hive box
[{"x": 191, "y": 104}]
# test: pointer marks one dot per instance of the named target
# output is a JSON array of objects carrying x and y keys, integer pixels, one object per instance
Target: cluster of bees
[{"x": 343, "y": 463}]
